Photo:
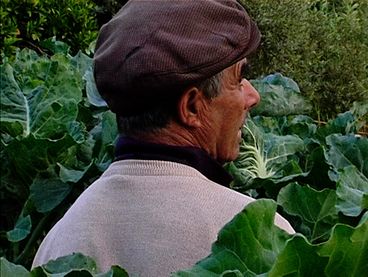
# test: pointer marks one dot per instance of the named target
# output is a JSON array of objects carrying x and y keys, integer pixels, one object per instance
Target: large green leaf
[
  {"x": 21, "y": 230},
  {"x": 266, "y": 156},
  {"x": 72, "y": 175},
  {"x": 109, "y": 130},
  {"x": 13, "y": 104},
  {"x": 74, "y": 265},
  {"x": 300, "y": 125},
  {"x": 345, "y": 151},
  {"x": 344, "y": 254},
  {"x": 77, "y": 131},
  {"x": 30, "y": 156},
  {"x": 8, "y": 269},
  {"x": 360, "y": 112},
  {"x": 347, "y": 250},
  {"x": 48, "y": 115},
  {"x": 268, "y": 124},
  {"x": 46, "y": 138},
  {"x": 250, "y": 243},
  {"x": 46, "y": 194},
  {"x": 71, "y": 262},
  {"x": 299, "y": 258},
  {"x": 279, "y": 96},
  {"x": 77, "y": 265},
  {"x": 318, "y": 168},
  {"x": 343, "y": 124},
  {"x": 315, "y": 208},
  {"x": 364, "y": 218},
  {"x": 352, "y": 191},
  {"x": 93, "y": 95},
  {"x": 82, "y": 63},
  {"x": 55, "y": 46},
  {"x": 280, "y": 147},
  {"x": 41, "y": 94},
  {"x": 105, "y": 133}
]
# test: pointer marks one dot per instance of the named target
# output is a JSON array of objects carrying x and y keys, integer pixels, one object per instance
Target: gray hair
[
  {"x": 160, "y": 116},
  {"x": 211, "y": 87}
]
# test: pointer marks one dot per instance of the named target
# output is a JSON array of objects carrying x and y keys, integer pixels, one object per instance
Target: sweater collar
[{"x": 129, "y": 148}]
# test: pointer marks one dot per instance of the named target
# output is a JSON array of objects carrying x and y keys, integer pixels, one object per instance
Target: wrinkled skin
[{"x": 227, "y": 113}]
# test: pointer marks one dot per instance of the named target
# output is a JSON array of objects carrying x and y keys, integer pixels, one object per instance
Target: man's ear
[{"x": 190, "y": 107}]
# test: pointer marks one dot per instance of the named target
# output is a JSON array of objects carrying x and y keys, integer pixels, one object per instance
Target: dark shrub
[
  {"x": 322, "y": 45},
  {"x": 25, "y": 23}
]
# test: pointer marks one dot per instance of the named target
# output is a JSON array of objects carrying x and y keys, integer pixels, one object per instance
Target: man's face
[{"x": 227, "y": 113}]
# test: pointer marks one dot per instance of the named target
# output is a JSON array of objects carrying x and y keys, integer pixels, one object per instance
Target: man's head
[{"x": 159, "y": 62}]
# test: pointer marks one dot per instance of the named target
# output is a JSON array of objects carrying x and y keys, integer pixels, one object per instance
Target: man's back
[{"x": 150, "y": 217}]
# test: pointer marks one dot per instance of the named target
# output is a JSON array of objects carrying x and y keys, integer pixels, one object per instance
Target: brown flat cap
[{"x": 153, "y": 49}]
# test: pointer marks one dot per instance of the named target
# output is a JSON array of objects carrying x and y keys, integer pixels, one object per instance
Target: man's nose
[{"x": 251, "y": 95}]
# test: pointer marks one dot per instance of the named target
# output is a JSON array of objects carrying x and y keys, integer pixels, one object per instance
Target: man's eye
[{"x": 245, "y": 70}]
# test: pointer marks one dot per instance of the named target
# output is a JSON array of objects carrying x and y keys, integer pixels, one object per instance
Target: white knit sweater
[{"x": 150, "y": 217}]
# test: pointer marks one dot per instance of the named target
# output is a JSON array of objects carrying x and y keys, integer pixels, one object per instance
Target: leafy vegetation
[
  {"x": 296, "y": 149},
  {"x": 26, "y": 23},
  {"x": 56, "y": 138},
  {"x": 321, "y": 44},
  {"x": 248, "y": 246},
  {"x": 72, "y": 265}
]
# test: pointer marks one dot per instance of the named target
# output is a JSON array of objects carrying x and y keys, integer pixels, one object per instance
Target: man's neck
[
  {"x": 173, "y": 135},
  {"x": 136, "y": 149}
]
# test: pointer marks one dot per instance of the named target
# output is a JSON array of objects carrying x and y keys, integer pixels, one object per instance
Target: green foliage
[
  {"x": 21, "y": 230},
  {"x": 348, "y": 150},
  {"x": 8, "y": 269},
  {"x": 26, "y": 23},
  {"x": 321, "y": 44},
  {"x": 318, "y": 174},
  {"x": 248, "y": 246},
  {"x": 280, "y": 96},
  {"x": 54, "y": 143},
  {"x": 72, "y": 265},
  {"x": 315, "y": 208},
  {"x": 352, "y": 191}
]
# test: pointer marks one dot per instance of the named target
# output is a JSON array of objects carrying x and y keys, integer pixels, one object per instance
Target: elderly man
[{"x": 172, "y": 72}]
